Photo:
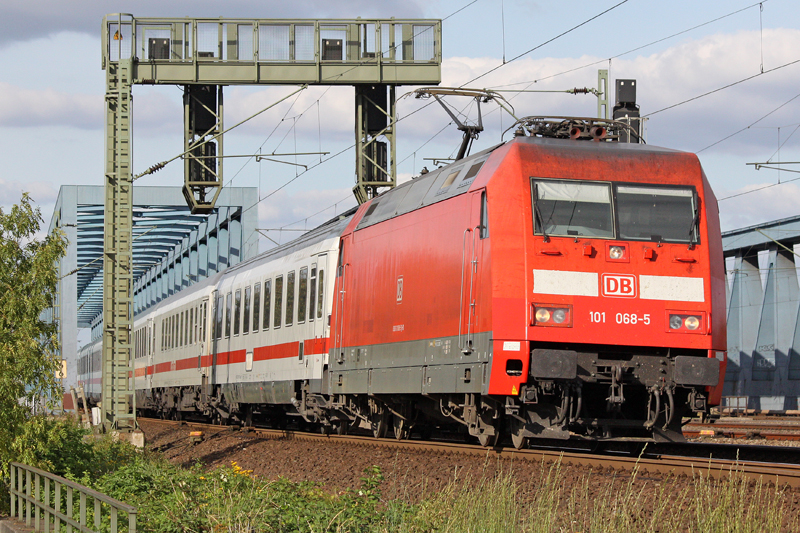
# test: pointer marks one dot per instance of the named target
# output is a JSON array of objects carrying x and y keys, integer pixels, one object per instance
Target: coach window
[
  {"x": 320, "y": 292},
  {"x": 572, "y": 208},
  {"x": 278, "y": 301},
  {"x": 267, "y": 301},
  {"x": 246, "y": 319},
  {"x": 256, "y": 306},
  {"x": 228, "y": 313},
  {"x": 163, "y": 335},
  {"x": 192, "y": 325},
  {"x": 312, "y": 298},
  {"x": 183, "y": 328},
  {"x": 289, "y": 298},
  {"x": 218, "y": 319},
  {"x": 484, "y": 231},
  {"x": 187, "y": 329},
  {"x": 237, "y": 314},
  {"x": 302, "y": 293},
  {"x": 204, "y": 309}
]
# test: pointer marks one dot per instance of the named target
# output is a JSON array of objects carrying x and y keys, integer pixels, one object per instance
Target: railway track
[
  {"x": 742, "y": 430},
  {"x": 650, "y": 461}
]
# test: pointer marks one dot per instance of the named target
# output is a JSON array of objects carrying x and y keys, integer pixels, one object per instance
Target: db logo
[{"x": 619, "y": 285}]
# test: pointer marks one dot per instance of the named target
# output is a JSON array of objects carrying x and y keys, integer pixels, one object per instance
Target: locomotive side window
[
  {"x": 289, "y": 298},
  {"x": 228, "y": 313},
  {"x": 302, "y": 293},
  {"x": 320, "y": 292},
  {"x": 237, "y": 311},
  {"x": 256, "y": 306},
  {"x": 246, "y": 320},
  {"x": 312, "y": 298},
  {"x": 572, "y": 208},
  {"x": 267, "y": 300},
  {"x": 218, "y": 319},
  {"x": 658, "y": 214},
  {"x": 278, "y": 301},
  {"x": 484, "y": 230}
]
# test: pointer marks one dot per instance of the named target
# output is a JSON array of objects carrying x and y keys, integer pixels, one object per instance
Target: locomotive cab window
[
  {"x": 572, "y": 208},
  {"x": 658, "y": 214}
]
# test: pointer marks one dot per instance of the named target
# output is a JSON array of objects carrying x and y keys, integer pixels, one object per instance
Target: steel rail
[{"x": 781, "y": 474}]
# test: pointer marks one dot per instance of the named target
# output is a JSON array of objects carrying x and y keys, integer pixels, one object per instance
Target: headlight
[
  {"x": 542, "y": 315},
  {"x": 616, "y": 252},
  {"x": 686, "y": 322},
  {"x": 558, "y": 315}
]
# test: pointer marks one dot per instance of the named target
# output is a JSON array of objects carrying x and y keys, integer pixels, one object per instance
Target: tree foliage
[{"x": 29, "y": 357}]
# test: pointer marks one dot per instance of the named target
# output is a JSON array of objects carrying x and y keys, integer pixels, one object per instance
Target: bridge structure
[
  {"x": 763, "y": 315},
  {"x": 172, "y": 248}
]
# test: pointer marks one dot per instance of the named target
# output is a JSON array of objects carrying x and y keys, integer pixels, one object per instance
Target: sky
[{"x": 52, "y": 86}]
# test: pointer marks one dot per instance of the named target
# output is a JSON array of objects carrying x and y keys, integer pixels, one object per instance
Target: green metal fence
[{"x": 47, "y": 502}]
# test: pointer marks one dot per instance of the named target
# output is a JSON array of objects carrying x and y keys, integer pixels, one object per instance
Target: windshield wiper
[
  {"x": 541, "y": 220},
  {"x": 695, "y": 220}
]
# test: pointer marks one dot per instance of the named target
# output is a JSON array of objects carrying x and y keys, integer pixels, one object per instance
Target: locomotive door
[
  {"x": 340, "y": 302},
  {"x": 473, "y": 238}
]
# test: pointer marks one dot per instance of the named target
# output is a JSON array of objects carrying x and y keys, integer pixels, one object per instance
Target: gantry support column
[
  {"x": 375, "y": 140},
  {"x": 118, "y": 398}
]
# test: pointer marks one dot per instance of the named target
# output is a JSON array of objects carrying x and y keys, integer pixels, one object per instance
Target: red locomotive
[{"x": 544, "y": 288}]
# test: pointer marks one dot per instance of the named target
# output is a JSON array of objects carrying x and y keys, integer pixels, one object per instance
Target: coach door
[
  {"x": 319, "y": 277},
  {"x": 150, "y": 331},
  {"x": 476, "y": 232},
  {"x": 200, "y": 335}
]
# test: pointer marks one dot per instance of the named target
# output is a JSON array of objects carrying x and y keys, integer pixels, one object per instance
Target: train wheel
[
  {"x": 400, "y": 426},
  {"x": 517, "y": 438},
  {"x": 342, "y": 427},
  {"x": 380, "y": 423},
  {"x": 486, "y": 440}
]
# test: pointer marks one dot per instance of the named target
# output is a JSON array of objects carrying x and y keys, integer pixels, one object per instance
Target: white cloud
[
  {"x": 31, "y": 108},
  {"x": 41, "y": 192},
  {"x": 22, "y": 21}
]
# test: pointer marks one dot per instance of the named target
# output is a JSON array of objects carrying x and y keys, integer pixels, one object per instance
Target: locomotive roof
[{"x": 441, "y": 184}]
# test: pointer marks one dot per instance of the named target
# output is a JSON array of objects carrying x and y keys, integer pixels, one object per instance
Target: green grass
[{"x": 230, "y": 499}]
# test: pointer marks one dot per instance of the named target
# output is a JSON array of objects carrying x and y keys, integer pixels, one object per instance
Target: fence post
[
  {"x": 28, "y": 493},
  {"x": 13, "y": 496}
]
